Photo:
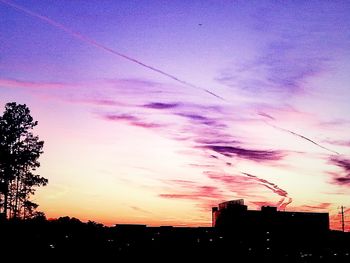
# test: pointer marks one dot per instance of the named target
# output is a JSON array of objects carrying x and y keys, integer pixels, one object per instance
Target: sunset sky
[{"x": 154, "y": 111}]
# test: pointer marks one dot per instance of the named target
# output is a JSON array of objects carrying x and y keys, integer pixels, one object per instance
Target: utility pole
[{"x": 342, "y": 218}]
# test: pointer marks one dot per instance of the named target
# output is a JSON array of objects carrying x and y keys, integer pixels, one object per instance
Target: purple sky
[{"x": 153, "y": 111}]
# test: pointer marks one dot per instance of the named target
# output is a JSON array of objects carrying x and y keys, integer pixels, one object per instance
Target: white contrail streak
[
  {"x": 292, "y": 132},
  {"x": 302, "y": 137},
  {"x": 103, "y": 47}
]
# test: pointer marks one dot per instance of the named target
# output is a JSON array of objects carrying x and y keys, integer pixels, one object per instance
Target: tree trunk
[
  {"x": 15, "y": 209},
  {"x": 6, "y": 199}
]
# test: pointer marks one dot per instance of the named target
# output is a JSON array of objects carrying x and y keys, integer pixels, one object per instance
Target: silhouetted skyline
[{"x": 244, "y": 235}]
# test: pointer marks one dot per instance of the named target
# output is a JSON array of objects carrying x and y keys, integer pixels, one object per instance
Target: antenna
[{"x": 342, "y": 218}]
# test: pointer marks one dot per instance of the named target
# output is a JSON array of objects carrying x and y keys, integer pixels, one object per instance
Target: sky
[{"x": 152, "y": 112}]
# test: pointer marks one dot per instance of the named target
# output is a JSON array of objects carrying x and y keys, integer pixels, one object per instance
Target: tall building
[{"x": 269, "y": 225}]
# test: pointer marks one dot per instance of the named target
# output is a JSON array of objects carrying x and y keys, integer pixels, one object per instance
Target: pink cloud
[
  {"x": 13, "y": 83},
  {"x": 263, "y": 203},
  {"x": 243, "y": 185},
  {"x": 131, "y": 120},
  {"x": 320, "y": 206},
  {"x": 204, "y": 196},
  {"x": 285, "y": 113},
  {"x": 345, "y": 143}
]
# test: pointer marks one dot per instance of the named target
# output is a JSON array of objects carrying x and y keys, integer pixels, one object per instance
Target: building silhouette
[
  {"x": 269, "y": 228},
  {"x": 238, "y": 235}
]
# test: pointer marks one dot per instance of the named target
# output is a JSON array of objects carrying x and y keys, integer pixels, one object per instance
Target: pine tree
[{"x": 19, "y": 154}]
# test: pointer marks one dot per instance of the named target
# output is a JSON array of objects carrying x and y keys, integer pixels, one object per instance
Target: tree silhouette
[{"x": 19, "y": 154}]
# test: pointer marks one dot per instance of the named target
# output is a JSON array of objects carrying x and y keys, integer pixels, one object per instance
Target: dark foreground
[{"x": 68, "y": 238}]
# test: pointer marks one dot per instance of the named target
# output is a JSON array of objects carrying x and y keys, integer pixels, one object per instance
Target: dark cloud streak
[
  {"x": 254, "y": 155},
  {"x": 344, "y": 164},
  {"x": 131, "y": 120},
  {"x": 160, "y": 105}
]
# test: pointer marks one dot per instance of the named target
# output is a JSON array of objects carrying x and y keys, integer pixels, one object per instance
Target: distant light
[
  {"x": 268, "y": 248},
  {"x": 268, "y": 239},
  {"x": 267, "y": 232},
  {"x": 210, "y": 239},
  {"x": 152, "y": 238},
  {"x": 66, "y": 236},
  {"x": 52, "y": 246},
  {"x": 346, "y": 254},
  {"x": 335, "y": 254},
  {"x": 221, "y": 237}
]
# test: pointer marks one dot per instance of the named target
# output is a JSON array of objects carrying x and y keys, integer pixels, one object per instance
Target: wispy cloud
[
  {"x": 245, "y": 183},
  {"x": 98, "y": 102},
  {"x": 345, "y": 143},
  {"x": 266, "y": 115},
  {"x": 237, "y": 185},
  {"x": 15, "y": 83},
  {"x": 335, "y": 123},
  {"x": 281, "y": 68},
  {"x": 249, "y": 154},
  {"x": 204, "y": 195},
  {"x": 196, "y": 118},
  {"x": 131, "y": 120},
  {"x": 139, "y": 209},
  {"x": 320, "y": 206},
  {"x": 342, "y": 178},
  {"x": 161, "y": 105},
  {"x": 291, "y": 56},
  {"x": 263, "y": 203}
]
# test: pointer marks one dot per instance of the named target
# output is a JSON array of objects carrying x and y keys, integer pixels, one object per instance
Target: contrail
[
  {"x": 103, "y": 47},
  {"x": 294, "y": 133},
  {"x": 283, "y": 206},
  {"x": 302, "y": 137},
  {"x": 274, "y": 188}
]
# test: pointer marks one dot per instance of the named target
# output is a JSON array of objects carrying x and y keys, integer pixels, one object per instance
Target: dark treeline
[{"x": 67, "y": 238}]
